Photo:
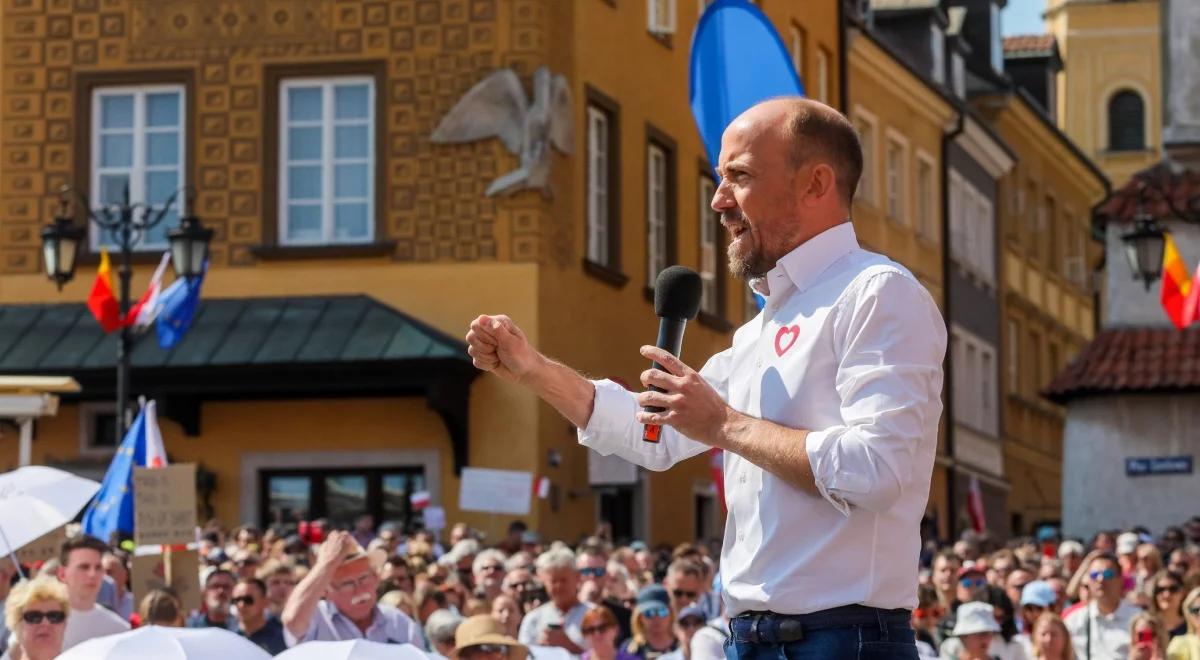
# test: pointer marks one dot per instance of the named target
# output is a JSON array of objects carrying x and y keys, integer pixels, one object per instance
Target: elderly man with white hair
[
  {"x": 439, "y": 630},
  {"x": 558, "y": 622},
  {"x": 488, "y": 569}
]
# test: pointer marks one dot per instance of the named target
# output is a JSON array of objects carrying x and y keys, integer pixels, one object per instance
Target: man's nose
[{"x": 722, "y": 197}]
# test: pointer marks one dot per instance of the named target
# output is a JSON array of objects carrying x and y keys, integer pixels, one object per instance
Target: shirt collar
[{"x": 806, "y": 261}]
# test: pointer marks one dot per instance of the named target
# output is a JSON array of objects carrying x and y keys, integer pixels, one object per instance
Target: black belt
[{"x": 772, "y": 628}]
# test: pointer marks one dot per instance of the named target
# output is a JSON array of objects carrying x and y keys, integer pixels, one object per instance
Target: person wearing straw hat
[
  {"x": 973, "y": 630},
  {"x": 482, "y": 638},
  {"x": 337, "y": 599}
]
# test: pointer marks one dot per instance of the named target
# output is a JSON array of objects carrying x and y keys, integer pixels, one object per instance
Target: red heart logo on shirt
[{"x": 790, "y": 331}]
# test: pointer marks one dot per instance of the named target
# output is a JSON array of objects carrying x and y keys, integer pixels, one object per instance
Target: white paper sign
[
  {"x": 495, "y": 491},
  {"x": 608, "y": 470},
  {"x": 435, "y": 518}
]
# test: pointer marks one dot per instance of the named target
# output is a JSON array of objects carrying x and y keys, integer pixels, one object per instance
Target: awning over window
[{"x": 247, "y": 348}]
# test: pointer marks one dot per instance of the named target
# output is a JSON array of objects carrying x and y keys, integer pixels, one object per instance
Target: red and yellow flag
[
  {"x": 1191, "y": 303},
  {"x": 1175, "y": 283},
  {"x": 101, "y": 301}
]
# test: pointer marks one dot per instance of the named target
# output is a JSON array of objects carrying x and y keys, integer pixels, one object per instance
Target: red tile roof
[
  {"x": 1029, "y": 45},
  {"x": 1163, "y": 189},
  {"x": 1126, "y": 360}
]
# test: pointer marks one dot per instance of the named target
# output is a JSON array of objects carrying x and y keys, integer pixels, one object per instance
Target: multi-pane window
[
  {"x": 657, "y": 247},
  {"x": 926, "y": 193},
  {"x": 1126, "y": 121},
  {"x": 710, "y": 227},
  {"x": 138, "y": 144},
  {"x": 797, "y": 47},
  {"x": 598, "y": 187},
  {"x": 289, "y": 497},
  {"x": 894, "y": 163},
  {"x": 327, "y": 157},
  {"x": 974, "y": 373},
  {"x": 972, "y": 225},
  {"x": 866, "y": 125}
]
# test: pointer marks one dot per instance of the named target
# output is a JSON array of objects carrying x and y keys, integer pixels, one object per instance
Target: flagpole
[{"x": 125, "y": 341}]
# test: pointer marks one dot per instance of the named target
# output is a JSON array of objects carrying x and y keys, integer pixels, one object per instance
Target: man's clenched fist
[{"x": 497, "y": 345}]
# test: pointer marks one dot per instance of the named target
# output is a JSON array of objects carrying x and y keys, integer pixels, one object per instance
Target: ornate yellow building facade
[
  {"x": 360, "y": 396},
  {"x": 1109, "y": 97}
]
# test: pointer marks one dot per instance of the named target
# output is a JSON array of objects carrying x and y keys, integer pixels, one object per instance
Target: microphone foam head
[{"x": 677, "y": 293}]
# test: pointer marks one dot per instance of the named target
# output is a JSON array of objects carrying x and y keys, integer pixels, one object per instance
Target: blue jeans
[{"x": 879, "y": 641}]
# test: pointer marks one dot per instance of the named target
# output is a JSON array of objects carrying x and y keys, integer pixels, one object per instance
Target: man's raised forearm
[
  {"x": 302, "y": 604},
  {"x": 567, "y": 390}
]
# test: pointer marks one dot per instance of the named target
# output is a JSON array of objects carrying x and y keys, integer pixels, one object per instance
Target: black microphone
[{"x": 676, "y": 301}]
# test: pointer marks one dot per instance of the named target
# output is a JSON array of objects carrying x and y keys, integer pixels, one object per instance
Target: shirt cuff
[{"x": 819, "y": 445}]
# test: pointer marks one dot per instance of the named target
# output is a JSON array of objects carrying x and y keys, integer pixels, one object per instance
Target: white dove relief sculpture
[{"x": 498, "y": 107}]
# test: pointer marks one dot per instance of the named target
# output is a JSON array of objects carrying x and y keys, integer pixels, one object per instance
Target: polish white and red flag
[
  {"x": 975, "y": 506},
  {"x": 541, "y": 487},
  {"x": 156, "y": 453},
  {"x": 420, "y": 500}
]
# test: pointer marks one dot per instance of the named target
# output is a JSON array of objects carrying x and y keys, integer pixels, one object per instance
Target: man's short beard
[{"x": 748, "y": 268}]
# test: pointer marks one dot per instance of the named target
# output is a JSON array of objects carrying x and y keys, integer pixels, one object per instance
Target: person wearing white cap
[
  {"x": 973, "y": 630},
  {"x": 1071, "y": 555}
]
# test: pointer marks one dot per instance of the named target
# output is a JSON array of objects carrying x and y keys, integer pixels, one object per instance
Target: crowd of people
[{"x": 1122, "y": 595}]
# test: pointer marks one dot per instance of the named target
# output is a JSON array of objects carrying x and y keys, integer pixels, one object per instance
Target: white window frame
[
  {"x": 88, "y": 413},
  {"x": 328, "y": 161},
  {"x": 710, "y": 228},
  {"x": 798, "y": 42},
  {"x": 868, "y": 182},
  {"x": 822, "y": 76},
  {"x": 927, "y": 217},
  {"x": 958, "y": 73},
  {"x": 138, "y": 167},
  {"x": 599, "y": 188},
  {"x": 660, "y": 16},
  {"x": 997, "y": 47},
  {"x": 657, "y": 193},
  {"x": 895, "y": 179},
  {"x": 973, "y": 361},
  {"x": 937, "y": 49},
  {"x": 972, "y": 227}
]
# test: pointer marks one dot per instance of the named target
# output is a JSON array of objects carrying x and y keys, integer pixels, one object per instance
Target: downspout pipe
[{"x": 947, "y": 370}]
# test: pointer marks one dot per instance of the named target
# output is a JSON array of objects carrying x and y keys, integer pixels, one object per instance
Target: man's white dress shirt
[
  {"x": 1105, "y": 636},
  {"x": 849, "y": 347}
]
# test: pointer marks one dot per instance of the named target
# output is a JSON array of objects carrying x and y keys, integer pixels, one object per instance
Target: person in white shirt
[
  {"x": 1100, "y": 630},
  {"x": 826, "y": 405},
  {"x": 82, "y": 571},
  {"x": 558, "y": 622}
]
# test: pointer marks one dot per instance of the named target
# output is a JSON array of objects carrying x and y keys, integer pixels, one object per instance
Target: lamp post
[
  {"x": 1144, "y": 245},
  {"x": 127, "y": 223}
]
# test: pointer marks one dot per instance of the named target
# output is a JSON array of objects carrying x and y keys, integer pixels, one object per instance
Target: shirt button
[
  {"x": 758, "y": 362},
  {"x": 743, "y": 478},
  {"x": 741, "y": 537}
]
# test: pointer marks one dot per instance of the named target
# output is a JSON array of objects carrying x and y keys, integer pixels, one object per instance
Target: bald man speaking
[{"x": 827, "y": 404}]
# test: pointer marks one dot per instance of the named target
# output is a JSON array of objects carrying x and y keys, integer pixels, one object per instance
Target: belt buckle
[{"x": 755, "y": 620}]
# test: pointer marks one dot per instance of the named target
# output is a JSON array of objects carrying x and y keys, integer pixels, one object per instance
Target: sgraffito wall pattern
[{"x": 432, "y": 50}]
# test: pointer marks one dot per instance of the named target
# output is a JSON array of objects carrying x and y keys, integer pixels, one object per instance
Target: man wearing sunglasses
[
  {"x": 1100, "y": 630},
  {"x": 250, "y": 605},
  {"x": 594, "y": 581},
  {"x": 337, "y": 599}
]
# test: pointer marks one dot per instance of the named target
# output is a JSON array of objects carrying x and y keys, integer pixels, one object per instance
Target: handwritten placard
[
  {"x": 150, "y": 572},
  {"x": 495, "y": 491},
  {"x": 45, "y": 547},
  {"x": 164, "y": 504}
]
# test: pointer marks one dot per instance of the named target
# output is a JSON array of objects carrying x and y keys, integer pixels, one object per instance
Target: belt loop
[
  {"x": 754, "y": 621},
  {"x": 883, "y": 628}
]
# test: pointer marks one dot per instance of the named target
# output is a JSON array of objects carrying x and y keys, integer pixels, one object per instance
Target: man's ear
[{"x": 820, "y": 183}]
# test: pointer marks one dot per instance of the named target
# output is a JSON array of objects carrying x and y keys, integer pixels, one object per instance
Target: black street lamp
[
  {"x": 1144, "y": 245},
  {"x": 127, "y": 223}
]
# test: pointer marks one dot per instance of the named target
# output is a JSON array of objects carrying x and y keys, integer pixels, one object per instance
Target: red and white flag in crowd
[
  {"x": 541, "y": 487},
  {"x": 975, "y": 506},
  {"x": 420, "y": 499},
  {"x": 156, "y": 453},
  {"x": 145, "y": 311}
]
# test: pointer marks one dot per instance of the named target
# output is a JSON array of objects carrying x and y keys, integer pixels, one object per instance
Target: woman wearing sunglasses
[
  {"x": 36, "y": 612},
  {"x": 600, "y": 630},
  {"x": 1166, "y": 601},
  {"x": 653, "y": 630},
  {"x": 1187, "y": 647}
]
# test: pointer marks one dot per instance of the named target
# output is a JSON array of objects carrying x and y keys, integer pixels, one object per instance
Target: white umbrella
[
  {"x": 354, "y": 649},
  {"x": 162, "y": 643},
  {"x": 35, "y": 500}
]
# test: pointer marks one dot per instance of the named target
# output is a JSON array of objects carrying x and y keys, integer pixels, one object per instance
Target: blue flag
[
  {"x": 179, "y": 302},
  {"x": 738, "y": 60},
  {"x": 112, "y": 509}
]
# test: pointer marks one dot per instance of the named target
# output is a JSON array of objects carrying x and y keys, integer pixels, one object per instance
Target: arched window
[{"x": 1126, "y": 122}]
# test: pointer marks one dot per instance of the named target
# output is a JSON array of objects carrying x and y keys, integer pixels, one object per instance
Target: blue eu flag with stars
[
  {"x": 179, "y": 302},
  {"x": 112, "y": 509}
]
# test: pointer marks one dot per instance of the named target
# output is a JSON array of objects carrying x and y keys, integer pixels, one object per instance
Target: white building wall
[
  {"x": 1128, "y": 301},
  {"x": 1100, "y": 433}
]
